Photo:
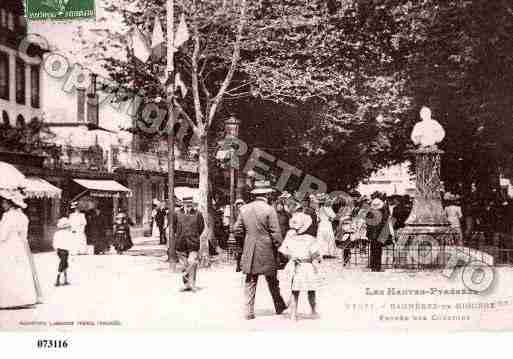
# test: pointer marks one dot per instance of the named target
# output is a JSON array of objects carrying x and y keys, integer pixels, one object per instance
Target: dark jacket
[
  {"x": 188, "y": 229},
  {"x": 283, "y": 219},
  {"x": 258, "y": 224},
  {"x": 377, "y": 225}
]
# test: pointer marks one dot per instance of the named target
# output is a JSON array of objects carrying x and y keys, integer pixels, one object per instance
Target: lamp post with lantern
[{"x": 231, "y": 127}]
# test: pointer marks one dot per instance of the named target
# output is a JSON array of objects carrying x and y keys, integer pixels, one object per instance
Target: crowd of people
[{"x": 273, "y": 231}]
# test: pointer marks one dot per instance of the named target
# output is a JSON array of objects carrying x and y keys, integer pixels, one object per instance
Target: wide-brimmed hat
[
  {"x": 262, "y": 187},
  {"x": 285, "y": 195},
  {"x": 156, "y": 202},
  {"x": 14, "y": 196},
  {"x": 63, "y": 223},
  {"x": 300, "y": 222},
  {"x": 322, "y": 198},
  {"x": 239, "y": 201},
  {"x": 377, "y": 204}
]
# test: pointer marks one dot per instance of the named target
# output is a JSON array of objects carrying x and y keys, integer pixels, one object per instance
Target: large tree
[{"x": 207, "y": 64}]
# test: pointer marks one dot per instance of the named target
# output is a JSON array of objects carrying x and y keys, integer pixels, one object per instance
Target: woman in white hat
[
  {"x": 301, "y": 271},
  {"x": 19, "y": 285}
]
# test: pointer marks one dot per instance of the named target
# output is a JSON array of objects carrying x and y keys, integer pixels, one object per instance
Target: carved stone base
[{"x": 424, "y": 246}]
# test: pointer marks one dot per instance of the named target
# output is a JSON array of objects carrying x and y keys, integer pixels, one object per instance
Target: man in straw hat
[
  {"x": 189, "y": 225},
  {"x": 258, "y": 225}
]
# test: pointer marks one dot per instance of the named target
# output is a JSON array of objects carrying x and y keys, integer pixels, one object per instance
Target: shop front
[
  {"x": 104, "y": 195},
  {"x": 42, "y": 210}
]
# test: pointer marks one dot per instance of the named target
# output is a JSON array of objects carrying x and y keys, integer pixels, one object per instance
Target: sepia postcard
[{"x": 256, "y": 165}]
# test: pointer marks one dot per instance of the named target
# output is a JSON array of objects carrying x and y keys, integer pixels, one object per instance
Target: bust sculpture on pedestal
[
  {"x": 427, "y": 220},
  {"x": 428, "y": 132}
]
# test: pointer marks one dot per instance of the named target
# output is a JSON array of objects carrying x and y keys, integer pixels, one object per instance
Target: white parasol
[{"x": 11, "y": 178}]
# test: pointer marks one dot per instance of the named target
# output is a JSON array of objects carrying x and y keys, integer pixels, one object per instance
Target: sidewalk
[{"x": 137, "y": 291}]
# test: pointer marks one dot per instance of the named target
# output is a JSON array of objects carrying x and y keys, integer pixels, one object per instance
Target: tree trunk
[{"x": 204, "y": 196}]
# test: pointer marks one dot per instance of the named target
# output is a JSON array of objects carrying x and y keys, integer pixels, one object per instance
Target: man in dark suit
[
  {"x": 258, "y": 225},
  {"x": 189, "y": 225}
]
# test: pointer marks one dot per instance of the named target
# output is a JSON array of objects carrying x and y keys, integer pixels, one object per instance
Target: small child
[
  {"x": 62, "y": 243},
  {"x": 301, "y": 271},
  {"x": 122, "y": 237}
]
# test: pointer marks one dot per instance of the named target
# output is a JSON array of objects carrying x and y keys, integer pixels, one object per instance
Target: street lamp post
[{"x": 231, "y": 127}]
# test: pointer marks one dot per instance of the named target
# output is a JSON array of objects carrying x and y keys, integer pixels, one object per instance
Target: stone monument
[{"x": 427, "y": 223}]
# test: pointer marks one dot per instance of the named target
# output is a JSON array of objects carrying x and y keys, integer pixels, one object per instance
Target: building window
[
  {"x": 3, "y": 18},
  {"x": 34, "y": 86},
  {"x": 5, "y": 119},
  {"x": 20, "y": 121},
  {"x": 4, "y": 76},
  {"x": 10, "y": 21},
  {"x": 155, "y": 191},
  {"x": 20, "y": 81}
]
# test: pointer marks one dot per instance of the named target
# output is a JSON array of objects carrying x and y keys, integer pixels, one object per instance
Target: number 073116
[{"x": 52, "y": 343}]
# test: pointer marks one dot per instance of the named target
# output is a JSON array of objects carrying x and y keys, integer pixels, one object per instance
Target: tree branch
[
  {"x": 186, "y": 115},
  {"x": 233, "y": 65},
  {"x": 194, "y": 60}
]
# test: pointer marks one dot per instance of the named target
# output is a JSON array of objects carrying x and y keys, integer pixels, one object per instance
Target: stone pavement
[{"x": 137, "y": 291}]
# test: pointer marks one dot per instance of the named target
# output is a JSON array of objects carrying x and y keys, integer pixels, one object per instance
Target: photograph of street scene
[{"x": 252, "y": 165}]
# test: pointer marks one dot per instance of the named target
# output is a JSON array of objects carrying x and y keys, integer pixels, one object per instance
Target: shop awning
[
  {"x": 37, "y": 187},
  {"x": 104, "y": 188}
]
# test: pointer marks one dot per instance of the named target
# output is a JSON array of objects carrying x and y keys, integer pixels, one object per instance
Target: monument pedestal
[{"x": 427, "y": 229}]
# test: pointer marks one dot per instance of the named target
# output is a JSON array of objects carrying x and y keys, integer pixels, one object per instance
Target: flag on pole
[
  {"x": 182, "y": 33},
  {"x": 157, "y": 39},
  {"x": 139, "y": 46},
  {"x": 180, "y": 84}
]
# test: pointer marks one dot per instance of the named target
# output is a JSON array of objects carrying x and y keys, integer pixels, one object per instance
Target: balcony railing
[
  {"x": 97, "y": 158},
  {"x": 123, "y": 157}
]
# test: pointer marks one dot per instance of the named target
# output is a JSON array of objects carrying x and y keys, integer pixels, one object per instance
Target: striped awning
[
  {"x": 36, "y": 187},
  {"x": 104, "y": 188}
]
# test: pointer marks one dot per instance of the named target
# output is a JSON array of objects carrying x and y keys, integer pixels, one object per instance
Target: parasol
[{"x": 11, "y": 177}]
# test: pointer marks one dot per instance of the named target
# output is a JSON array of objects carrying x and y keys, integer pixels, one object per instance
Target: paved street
[{"x": 136, "y": 291}]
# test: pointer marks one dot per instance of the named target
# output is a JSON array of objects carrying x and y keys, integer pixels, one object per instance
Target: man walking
[
  {"x": 160, "y": 220},
  {"x": 258, "y": 224},
  {"x": 189, "y": 225}
]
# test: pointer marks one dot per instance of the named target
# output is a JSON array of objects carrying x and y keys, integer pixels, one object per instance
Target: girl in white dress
[
  {"x": 325, "y": 233},
  {"x": 78, "y": 222},
  {"x": 301, "y": 272}
]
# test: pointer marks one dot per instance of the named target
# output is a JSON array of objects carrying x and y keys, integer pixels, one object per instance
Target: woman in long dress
[
  {"x": 78, "y": 224},
  {"x": 325, "y": 233},
  {"x": 19, "y": 284}
]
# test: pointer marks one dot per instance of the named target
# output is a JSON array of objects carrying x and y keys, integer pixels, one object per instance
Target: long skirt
[
  {"x": 80, "y": 242},
  {"x": 17, "y": 280},
  {"x": 326, "y": 238},
  {"x": 155, "y": 232},
  {"x": 122, "y": 241}
]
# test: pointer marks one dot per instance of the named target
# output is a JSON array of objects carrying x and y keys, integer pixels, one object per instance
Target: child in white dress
[{"x": 301, "y": 270}]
